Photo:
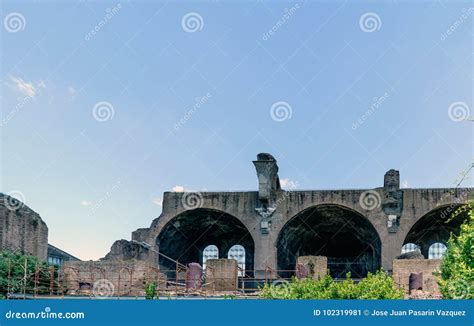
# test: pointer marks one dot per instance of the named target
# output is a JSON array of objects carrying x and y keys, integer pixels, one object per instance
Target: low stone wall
[
  {"x": 221, "y": 274},
  {"x": 402, "y": 268},
  {"x": 110, "y": 278},
  {"x": 315, "y": 266}
]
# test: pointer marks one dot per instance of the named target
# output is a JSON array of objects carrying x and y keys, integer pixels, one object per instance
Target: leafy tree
[
  {"x": 12, "y": 274},
  {"x": 457, "y": 268}
]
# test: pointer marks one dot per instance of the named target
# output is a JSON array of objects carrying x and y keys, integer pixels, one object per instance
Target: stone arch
[
  {"x": 187, "y": 234},
  {"x": 435, "y": 226},
  {"x": 345, "y": 236}
]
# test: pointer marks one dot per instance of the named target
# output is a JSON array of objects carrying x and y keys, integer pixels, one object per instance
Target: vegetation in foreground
[
  {"x": 457, "y": 268},
  {"x": 375, "y": 286},
  {"x": 150, "y": 291},
  {"x": 15, "y": 278}
]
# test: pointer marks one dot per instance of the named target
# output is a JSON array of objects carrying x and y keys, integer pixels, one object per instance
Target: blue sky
[{"x": 361, "y": 87}]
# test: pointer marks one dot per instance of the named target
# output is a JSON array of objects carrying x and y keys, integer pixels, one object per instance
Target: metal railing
[{"x": 25, "y": 281}]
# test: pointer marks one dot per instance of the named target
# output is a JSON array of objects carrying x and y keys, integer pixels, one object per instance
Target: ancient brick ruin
[
  {"x": 358, "y": 230},
  {"x": 271, "y": 233},
  {"x": 22, "y": 229}
]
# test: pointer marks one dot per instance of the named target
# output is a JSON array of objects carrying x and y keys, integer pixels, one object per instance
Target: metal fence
[
  {"x": 23, "y": 282},
  {"x": 26, "y": 281}
]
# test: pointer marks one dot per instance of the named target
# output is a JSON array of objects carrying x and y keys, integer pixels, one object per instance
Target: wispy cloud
[
  {"x": 178, "y": 189},
  {"x": 288, "y": 184},
  {"x": 27, "y": 88},
  {"x": 86, "y": 203}
]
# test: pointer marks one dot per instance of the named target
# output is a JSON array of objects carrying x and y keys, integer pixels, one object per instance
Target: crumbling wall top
[{"x": 267, "y": 173}]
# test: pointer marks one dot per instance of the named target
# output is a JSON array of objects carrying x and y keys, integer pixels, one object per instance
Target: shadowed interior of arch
[
  {"x": 345, "y": 237},
  {"x": 186, "y": 236},
  {"x": 435, "y": 227}
]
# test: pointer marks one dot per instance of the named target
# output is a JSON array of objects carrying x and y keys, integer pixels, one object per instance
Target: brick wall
[
  {"x": 22, "y": 229},
  {"x": 403, "y": 267},
  {"x": 119, "y": 278},
  {"x": 221, "y": 274}
]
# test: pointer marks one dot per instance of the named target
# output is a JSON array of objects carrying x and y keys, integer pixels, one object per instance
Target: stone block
[
  {"x": 193, "y": 276},
  {"x": 221, "y": 274},
  {"x": 403, "y": 268},
  {"x": 317, "y": 266}
]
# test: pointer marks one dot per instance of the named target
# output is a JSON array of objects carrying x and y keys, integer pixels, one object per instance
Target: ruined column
[
  {"x": 268, "y": 186},
  {"x": 391, "y": 179},
  {"x": 267, "y": 173},
  {"x": 392, "y": 203}
]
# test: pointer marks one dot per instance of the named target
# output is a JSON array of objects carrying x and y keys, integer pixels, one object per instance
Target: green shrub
[
  {"x": 346, "y": 289},
  {"x": 300, "y": 289},
  {"x": 457, "y": 268},
  {"x": 150, "y": 291},
  {"x": 378, "y": 286},
  {"x": 374, "y": 286}
]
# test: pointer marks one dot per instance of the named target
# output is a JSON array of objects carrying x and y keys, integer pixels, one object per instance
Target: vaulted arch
[
  {"x": 344, "y": 236},
  {"x": 185, "y": 237},
  {"x": 435, "y": 226}
]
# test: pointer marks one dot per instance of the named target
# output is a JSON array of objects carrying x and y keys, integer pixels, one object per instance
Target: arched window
[
  {"x": 437, "y": 250},
  {"x": 237, "y": 252},
  {"x": 409, "y": 247},
  {"x": 210, "y": 252}
]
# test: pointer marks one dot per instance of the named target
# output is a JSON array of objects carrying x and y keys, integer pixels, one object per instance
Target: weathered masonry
[
  {"x": 22, "y": 230},
  {"x": 357, "y": 230}
]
